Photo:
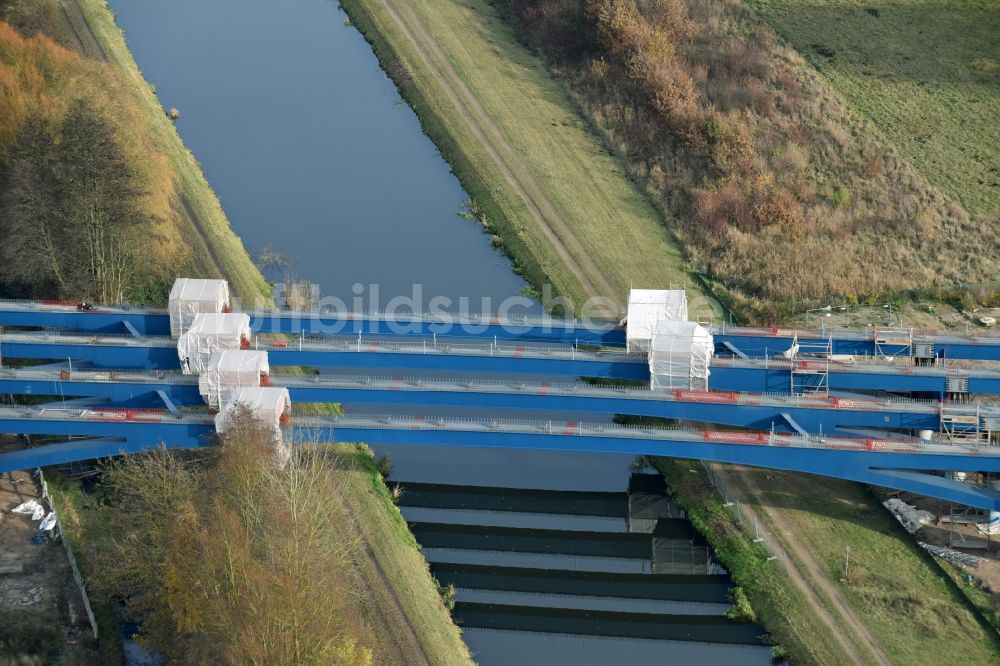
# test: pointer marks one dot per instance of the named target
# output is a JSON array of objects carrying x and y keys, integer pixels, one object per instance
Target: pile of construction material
[{"x": 910, "y": 517}]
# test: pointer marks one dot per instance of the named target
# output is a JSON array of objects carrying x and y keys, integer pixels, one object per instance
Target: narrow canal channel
[{"x": 314, "y": 155}]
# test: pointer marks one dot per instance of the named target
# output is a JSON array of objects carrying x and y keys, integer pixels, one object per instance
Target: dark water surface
[
  {"x": 309, "y": 147},
  {"x": 312, "y": 153}
]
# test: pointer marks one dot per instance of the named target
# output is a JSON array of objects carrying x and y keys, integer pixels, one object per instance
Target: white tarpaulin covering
[
  {"x": 209, "y": 333},
  {"x": 679, "y": 356},
  {"x": 269, "y": 405},
  {"x": 31, "y": 508},
  {"x": 189, "y": 297},
  {"x": 910, "y": 517},
  {"x": 646, "y": 307},
  {"x": 229, "y": 369}
]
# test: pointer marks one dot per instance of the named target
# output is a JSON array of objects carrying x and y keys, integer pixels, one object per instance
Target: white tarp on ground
[
  {"x": 229, "y": 369},
  {"x": 679, "y": 356},
  {"x": 31, "y": 508},
  {"x": 48, "y": 522},
  {"x": 646, "y": 307},
  {"x": 209, "y": 333},
  {"x": 269, "y": 405},
  {"x": 910, "y": 517},
  {"x": 189, "y": 297}
]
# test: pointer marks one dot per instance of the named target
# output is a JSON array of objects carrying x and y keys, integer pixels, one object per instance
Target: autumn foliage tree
[
  {"x": 85, "y": 192},
  {"x": 240, "y": 562},
  {"x": 70, "y": 206}
]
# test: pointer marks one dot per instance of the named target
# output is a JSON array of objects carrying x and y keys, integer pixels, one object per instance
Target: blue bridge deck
[
  {"x": 751, "y": 342},
  {"x": 889, "y": 463},
  {"x": 727, "y": 374},
  {"x": 801, "y": 414}
]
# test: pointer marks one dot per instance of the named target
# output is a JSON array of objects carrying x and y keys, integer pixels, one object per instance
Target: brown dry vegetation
[
  {"x": 41, "y": 79},
  {"x": 778, "y": 189},
  {"x": 238, "y": 562}
]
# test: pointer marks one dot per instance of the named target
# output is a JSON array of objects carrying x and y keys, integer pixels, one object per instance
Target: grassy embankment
[
  {"x": 914, "y": 610},
  {"x": 398, "y": 554},
  {"x": 216, "y": 249},
  {"x": 608, "y": 233},
  {"x": 781, "y": 189}
]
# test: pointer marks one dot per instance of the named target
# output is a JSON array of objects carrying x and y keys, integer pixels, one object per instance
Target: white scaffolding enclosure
[
  {"x": 271, "y": 407},
  {"x": 209, "y": 333},
  {"x": 230, "y": 369},
  {"x": 646, "y": 307},
  {"x": 679, "y": 356},
  {"x": 189, "y": 297}
]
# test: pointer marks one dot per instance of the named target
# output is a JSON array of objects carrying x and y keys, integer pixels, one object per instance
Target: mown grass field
[
  {"x": 911, "y": 607},
  {"x": 610, "y": 217},
  {"x": 926, "y": 74},
  {"x": 202, "y": 224},
  {"x": 907, "y": 602}
]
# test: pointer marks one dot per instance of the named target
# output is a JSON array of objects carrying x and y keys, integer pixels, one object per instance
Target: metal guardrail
[
  {"x": 824, "y": 333},
  {"x": 578, "y": 429},
  {"x": 77, "y": 576},
  {"x": 568, "y": 389},
  {"x": 358, "y": 344},
  {"x": 305, "y": 425},
  {"x": 494, "y": 319},
  {"x": 870, "y": 365},
  {"x": 361, "y": 344}
]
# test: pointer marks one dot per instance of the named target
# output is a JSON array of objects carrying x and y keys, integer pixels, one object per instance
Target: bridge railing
[
  {"x": 823, "y": 333},
  {"x": 480, "y": 319},
  {"x": 579, "y": 429},
  {"x": 867, "y": 365},
  {"x": 568, "y": 389}
]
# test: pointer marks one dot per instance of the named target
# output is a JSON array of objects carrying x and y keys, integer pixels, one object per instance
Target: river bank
[
  {"x": 556, "y": 199},
  {"x": 215, "y": 250}
]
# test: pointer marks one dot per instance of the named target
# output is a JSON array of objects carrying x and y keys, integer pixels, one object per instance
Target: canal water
[{"x": 314, "y": 156}]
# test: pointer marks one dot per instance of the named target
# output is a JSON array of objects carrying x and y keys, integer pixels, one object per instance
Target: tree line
[
  {"x": 233, "y": 559},
  {"x": 70, "y": 207}
]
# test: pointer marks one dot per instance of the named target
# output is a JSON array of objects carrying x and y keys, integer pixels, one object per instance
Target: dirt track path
[
  {"x": 511, "y": 166},
  {"x": 395, "y": 630},
  {"x": 806, "y": 572}
]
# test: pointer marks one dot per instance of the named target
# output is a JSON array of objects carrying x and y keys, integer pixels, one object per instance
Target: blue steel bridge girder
[
  {"x": 152, "y": 322},
  {"x": 898, "y": 470},
  {"x": 774, "y": 378},
  {"x": 109, "y": 321},
  {"x": 783, "y": 417}
]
